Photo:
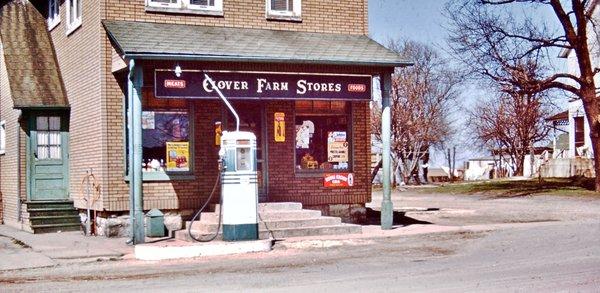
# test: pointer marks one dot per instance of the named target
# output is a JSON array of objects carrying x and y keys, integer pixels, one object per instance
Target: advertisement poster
[
  {"x": 218, "y": 132},
  {"x": 148, "y": 120},
  {"x": 178, "y": 156},
  {"x": 279, "y": 127},
  {"x": 338, "y": 180},
  {"x": 337, "y": 147}
]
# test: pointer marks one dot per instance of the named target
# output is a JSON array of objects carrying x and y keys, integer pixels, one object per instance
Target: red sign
[
  {"x": 357, "y": 88},
  {"x": 338, "y": 180},
  {"x": 174, "y": 84}
]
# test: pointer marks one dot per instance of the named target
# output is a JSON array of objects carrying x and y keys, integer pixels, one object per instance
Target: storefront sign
[
  {"x": 257, "y": 85},
  {"x": 279, "y": 127},
  {"x": 338, "y": 180},
  {"x": 178, "y": 156}
]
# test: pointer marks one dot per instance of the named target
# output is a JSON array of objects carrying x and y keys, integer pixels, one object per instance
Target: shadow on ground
[{"x": 400, "y": 218}]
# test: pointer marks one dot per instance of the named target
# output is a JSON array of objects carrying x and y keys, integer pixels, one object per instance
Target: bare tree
[
  {"x": 422, "y": 99},
  {"x": 512, "y": 122},
  {"x": 496, "y": 42}
]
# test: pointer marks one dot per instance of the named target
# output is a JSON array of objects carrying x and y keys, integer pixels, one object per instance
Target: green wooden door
[{"x": 48, "y": 157}]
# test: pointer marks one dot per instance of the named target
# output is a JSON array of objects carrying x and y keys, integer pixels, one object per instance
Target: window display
[
  {"x": 323, "y": 138},
  {"x": 166, "y": 141}
]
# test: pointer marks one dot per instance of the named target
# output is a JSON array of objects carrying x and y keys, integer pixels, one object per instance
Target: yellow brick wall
[
  {"x": 332, "y": 16},
  {"x": 80, "y": 56}
]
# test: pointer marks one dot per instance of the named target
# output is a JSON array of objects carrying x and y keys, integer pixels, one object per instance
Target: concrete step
[
  {"x": 202, "y": 227},
  {"x": 272, "y": 206},
  {"x": 62, "y": 219},
  {"x": 269, "y": 216},
  {"x": 48, "y": 212},
  {"x": 49, "y": 204},
  {"x": 49, "y": 228},
  {"x": 341, "y": 229}
]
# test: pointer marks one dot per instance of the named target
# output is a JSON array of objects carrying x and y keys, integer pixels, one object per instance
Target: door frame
[{"x": 65, "y": 135}]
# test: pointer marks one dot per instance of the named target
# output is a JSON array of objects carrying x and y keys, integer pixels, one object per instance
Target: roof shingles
[{"x": 153, "y": 40}]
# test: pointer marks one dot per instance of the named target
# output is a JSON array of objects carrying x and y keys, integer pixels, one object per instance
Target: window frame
[
  {"x": 164, "y": 175},
  {"x": 319, "y": 172},
  {"x": 53, "y": 14},
  {"x": 74, "y": 24},
  {"x": 293, "y": 15},
  {"x": 185, "y": 7},
  {"x": 3, "y": 137}
]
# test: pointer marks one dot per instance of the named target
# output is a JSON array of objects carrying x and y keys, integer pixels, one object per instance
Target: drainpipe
[
  {"x": 135, "y": 82},
  {"x": 387, "y": 208},
  {"x": 19, "y": 217}
]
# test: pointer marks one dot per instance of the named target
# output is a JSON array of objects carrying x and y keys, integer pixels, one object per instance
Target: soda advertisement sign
[
  {"x": 261, "y": 85},
  {"x": 338, "y": 180},
  {"x": 178, "y": 156}
]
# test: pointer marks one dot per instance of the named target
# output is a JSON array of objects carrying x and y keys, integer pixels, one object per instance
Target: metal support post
[
  {"x": 387, "y": 208},
  {"x": 130, "y": 148},
  {"x": 135, "y": 181}
]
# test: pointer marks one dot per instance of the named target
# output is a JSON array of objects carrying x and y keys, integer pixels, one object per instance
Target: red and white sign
[
  {"x": 357, "y": 88},
  {"x": 174, "y": 84},
  {"x": 338, "y": 180}
]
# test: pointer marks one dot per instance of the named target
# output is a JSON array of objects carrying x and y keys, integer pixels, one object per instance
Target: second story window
[
  {"x": 73, "y": 15},
  {"x": 211, "y": 7},
  {"x": 53, "y": 13},
  {"x": 284, "y": 9}
]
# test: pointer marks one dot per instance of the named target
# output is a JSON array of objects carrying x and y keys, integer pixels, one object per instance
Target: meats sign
[{"x": 258, "y": 85}]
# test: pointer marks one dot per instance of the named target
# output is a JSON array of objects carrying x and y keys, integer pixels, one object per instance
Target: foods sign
[
  {"x": 338, "y": 180},
  {"x": 258, "y": 85}
]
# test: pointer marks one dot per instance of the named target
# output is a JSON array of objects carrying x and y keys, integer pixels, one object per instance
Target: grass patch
[{"x": 514, "y": 188}]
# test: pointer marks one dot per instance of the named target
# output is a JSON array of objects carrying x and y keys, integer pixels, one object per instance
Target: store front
[{"x": 306, "y": 96}]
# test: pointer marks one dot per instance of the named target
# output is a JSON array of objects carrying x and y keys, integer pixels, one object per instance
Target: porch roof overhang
[{"x": 159, "y": 41}]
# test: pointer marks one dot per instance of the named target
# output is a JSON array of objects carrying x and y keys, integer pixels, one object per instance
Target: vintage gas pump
[{"x": 239, "y": 186}]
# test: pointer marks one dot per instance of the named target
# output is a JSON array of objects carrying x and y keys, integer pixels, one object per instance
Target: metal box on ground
[{"x": 155, "y": 223}]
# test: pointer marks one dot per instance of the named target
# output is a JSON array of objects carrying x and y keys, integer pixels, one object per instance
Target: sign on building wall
[
  {"x": 338, "y": 179},
  {"x": 258, "y": 85},
  {"x": 279, "y": 127}
]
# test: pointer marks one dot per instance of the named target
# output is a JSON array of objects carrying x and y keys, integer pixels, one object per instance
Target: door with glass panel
[{"x": 48, "y": 157}]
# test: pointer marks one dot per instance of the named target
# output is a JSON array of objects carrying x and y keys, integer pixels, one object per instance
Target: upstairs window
[
  {"x": 211, "y": 7},
  {"x": 53, "y": 13},
  {"x": 284, "y": 9},
  {"x": 73, "y": 15}
]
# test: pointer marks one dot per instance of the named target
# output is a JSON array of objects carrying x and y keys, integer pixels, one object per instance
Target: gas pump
[
  {"x": 239, "y": 183},
  {"x": 239, "y": 186}
]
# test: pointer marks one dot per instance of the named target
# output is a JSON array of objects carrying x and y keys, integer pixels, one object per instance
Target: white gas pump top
[{"x": 231, "y": 137}]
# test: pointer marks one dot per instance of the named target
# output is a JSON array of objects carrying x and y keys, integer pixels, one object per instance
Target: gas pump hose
[{"x": 189, "y": 229}]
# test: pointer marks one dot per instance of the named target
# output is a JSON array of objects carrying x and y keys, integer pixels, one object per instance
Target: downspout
[{"x": 19, "y": 218}]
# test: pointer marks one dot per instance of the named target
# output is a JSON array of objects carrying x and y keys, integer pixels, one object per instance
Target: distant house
[{"x": 560, "y": 129}]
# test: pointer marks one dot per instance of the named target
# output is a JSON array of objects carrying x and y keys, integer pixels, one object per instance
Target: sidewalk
[{"x": 21, "y": 250}]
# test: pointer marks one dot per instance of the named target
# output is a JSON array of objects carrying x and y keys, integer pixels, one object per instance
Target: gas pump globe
[{"x": 239, "y": 186}]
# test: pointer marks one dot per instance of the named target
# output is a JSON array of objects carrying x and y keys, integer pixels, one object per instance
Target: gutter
[{"x": 220, "y": 58}]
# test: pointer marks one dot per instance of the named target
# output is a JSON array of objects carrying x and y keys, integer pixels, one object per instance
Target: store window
[
  {"x": 166, "y": 135},
  {"x": 284, "y": 9},
  {"x": 53, "y": 13},
  {"x": 74, "y": 12},
  {"x": 186, "y": 6},
  {"x": 323, "y": 136}
]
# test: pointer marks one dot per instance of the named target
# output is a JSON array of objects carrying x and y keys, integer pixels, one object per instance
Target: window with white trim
[
  {"x": 186, "y": 6},
  {"x": 53, "y": 13},
  {"x": 285, "y": 9},
  {"x": 2, "y": 137},
  {"x": 74, "y": 11}
]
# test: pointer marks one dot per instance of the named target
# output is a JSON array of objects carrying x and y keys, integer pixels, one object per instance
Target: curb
[{"x": 178, "y": 250}]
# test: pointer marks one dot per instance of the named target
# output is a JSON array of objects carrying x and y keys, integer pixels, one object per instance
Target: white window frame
[
  {"x": 73, "y": 24},
  {"x": 296, "y": 14},
  {"x": 2, "y": 137},
  {"x": 184, "y": 6},
  {"x": 53, "y": 14}
]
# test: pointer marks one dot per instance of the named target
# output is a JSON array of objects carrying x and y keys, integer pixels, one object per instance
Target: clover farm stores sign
[{"x": 258, "y": 85}]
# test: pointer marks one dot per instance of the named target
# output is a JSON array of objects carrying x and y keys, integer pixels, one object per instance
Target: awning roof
[{"x": 144, "y": 40}]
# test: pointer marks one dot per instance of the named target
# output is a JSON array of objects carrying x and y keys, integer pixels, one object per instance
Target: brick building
[{"x": 298, "y": 72}]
